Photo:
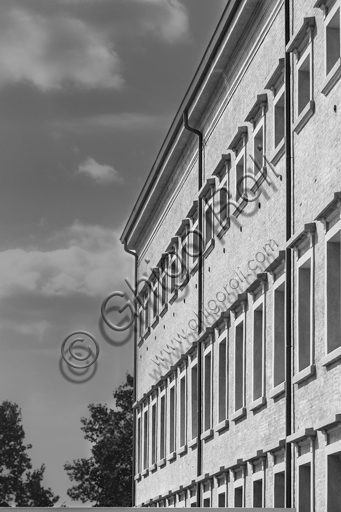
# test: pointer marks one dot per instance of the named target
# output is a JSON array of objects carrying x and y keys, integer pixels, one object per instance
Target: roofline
[{"x": 215, "y": 41}]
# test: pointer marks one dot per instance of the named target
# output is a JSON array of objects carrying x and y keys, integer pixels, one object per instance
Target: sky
[{"x": 88, "y": 90}]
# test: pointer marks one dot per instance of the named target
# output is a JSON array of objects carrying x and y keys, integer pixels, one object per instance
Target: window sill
[
  {"x": 332, "y": 357},
  {"x": 223, "y": 425},
  {"x": 224, "y": 229},
  {"x": 152, "y": 468},
  {"x": 304, "y": 374},
  {"x": 173, "y": 297},
  {"x": 193, "y": 443},
  {"x": 146, "y": 333},
  {"x": 209, "y": 247},
  {"x": 182, "y": 450},
  {"x": 207, "y": 434},
  {"x": 238, "y": 414},
  {"x": 171, "y": 456},
  {"x": 145, "y": 472},
  {"x": 256, "y": 404},
  {"x": 333, "y": 77},
  {"x": 161, "y": 463},
  {"x": 304, "y": 117},
  {"x": 194, "y": 268},
  {"x": 164, "y": 310},
  {"x": 155, "y": 321},
  {"x": 137, "y": 477},
  {"x": 277, "y": 391},
  {"x": 278, "y": 153}
]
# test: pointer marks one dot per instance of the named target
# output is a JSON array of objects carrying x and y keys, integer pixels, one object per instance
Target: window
[
  {"x": 333, "y": 482},
  {"x": 207, "y": 423},
  {"x": 239, "y": 146},
  {"x": 194, "y": 396},
  {"x": 304, "y": 488},
  {"x": 222, "y": 373},
  {"x": 182, "y": 500},
  {"x": 139, "y": 443},
  {"x": 154, "y": 429},
  {"x": 145, "y": 438},
  {"x": 305, "y": 312},
  {"x": 162, "y": 423},
  {"x": 304, "y": 450},
  {"x": 155, "y": 299},
  {"x": 279, "y": 117},
  {"x": 279, "y": 331},
  {"x": 222, "y": 490},
  {"x": 239, "y": 364},
  {"x": 193, "y": 497},
  {"x": 164, "y": 281},
  {"x": 332, "y": 38},
  {"x": 279, "y": 479},
  {"x": 257, "y": 117},
  {"x": 182, "y": 405},
  {"x": 302, "y": 46},
  {"x": 333, "y": 265},
  {"x": 172, "y": 415},
  {"x": 238, "y": 486},
  {"x": 206, "y": 494},
  {"x": 258, "y": 349},
  {"x": 258, "y": 471},
  {"x": 208, "y": 217}
]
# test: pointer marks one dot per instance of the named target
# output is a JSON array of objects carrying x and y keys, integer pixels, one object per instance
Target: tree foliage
[
  {"x": 18, "y": 484},
  {"x": 106, "y": 477}
]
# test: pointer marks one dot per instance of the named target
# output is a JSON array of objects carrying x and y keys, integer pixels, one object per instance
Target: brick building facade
[{"x": 238, "y": 266}]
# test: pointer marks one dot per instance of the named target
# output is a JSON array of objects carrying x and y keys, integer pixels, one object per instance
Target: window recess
[
  {"x": 162, "y": 423},
  {"x": 193, "y": 376},
  {"x": 238, "y": 474},
  {"x": 257, "y": 117},
  {"x": 207, "y": 193},
  {"x": 331, "y": 218},
  {"x": 301, "y": 45},
  {"x": 222, "y": 348},
  {"x": 257, "y": 291},
  {"x": 207, "y": 398},
  {"x": 222, "y": 482},
  {"x": 303, "y": 245},
  {"x": 239, "y": 308},
  {"x": 182, "y": 409},
  {"x": 239, "y": 147},
  {"x": 332, "y": 39},
  {"x": 276, "y": 85}
]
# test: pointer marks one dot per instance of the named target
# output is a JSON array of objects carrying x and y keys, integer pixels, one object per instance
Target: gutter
[
  {"x": 288, "y": 262},
  {"x": 200, "y": 298},
  {"x": 133, "y": 253}
]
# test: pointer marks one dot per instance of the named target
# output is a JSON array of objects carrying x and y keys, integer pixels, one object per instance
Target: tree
[
  {"x": 106, "y": 477},
  {"x": 18, "y": 485}
]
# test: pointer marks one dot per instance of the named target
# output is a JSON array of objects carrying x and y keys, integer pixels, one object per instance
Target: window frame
[
  {"x": 222, "y": 338},
  {"x": 207, "y": 352},
  {"x": 334, "y": 74},
  {"x": 172, "y": 418},
  {"x": 162, "y": 446},
  {"x": 257, "y": 303},
  {"x": 193, "y": 363},
  {"x": 241, "y": 319},
  {"x": 153, "y": 439},
  {"x": 279, "y": 282},
  {"x": 182, "y": 375}
]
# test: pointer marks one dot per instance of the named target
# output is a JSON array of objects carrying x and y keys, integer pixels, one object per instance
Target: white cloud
[
  {"x": 51, "y": 52},
  {"x": 101, "y": 173},
  {"x": 168, "y": 21},
  {"x": 90, "y": 263}
]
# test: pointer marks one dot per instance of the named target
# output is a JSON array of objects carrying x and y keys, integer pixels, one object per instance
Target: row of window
[
  {"x": 173, "y": 409},
  {"x": 247, "y": 483}
]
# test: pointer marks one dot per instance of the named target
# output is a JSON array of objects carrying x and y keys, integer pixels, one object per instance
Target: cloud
[
  {"x": 168, "y": 20},
  {"x": 52, "y": 52},
  {"x": 99, "y": 172},
  {"x": 90, "y": 263}
]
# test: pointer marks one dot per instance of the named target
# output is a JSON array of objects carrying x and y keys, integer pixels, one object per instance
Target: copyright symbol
[
  {"x": 128, "y": 305},
  {"x": 75, "y": 355}
]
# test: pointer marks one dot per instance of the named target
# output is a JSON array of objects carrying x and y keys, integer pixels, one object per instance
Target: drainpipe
[
  {"x": 288, "y": 305},
  {"x": 200, "y": 295},
  {"x": 133, "y": 253}
]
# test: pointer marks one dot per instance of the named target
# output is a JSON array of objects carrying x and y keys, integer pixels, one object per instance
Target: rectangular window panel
[
  {"x": 182, "y": 411},
  {"x": 207, "y": 502},
  {"x": 162, "y": 428},
  {"x": 209, "y": 224},
  {"x": 333, "y": 482},
  {"x": 207, "y": 392},
  {"x": 239, "y": 367},
  {"x": 304, "y": 489},
  {"x": 258, "y": 352},
  {"x": 279, "y": 120},
  {"x": 304, "y": 315},
  {"x": 240, "y": 178},
  {"x": 172, "y": 420},
  {"x": 222, "y": 381},
  {"x": 194, "y": 401},
  {"x": 333, "y": 294},
  {"x": 145, "y": 440},
  {"x": 154, "y": 430},
  {"x": 279, "y": 489},
  {"x": 333, "y": 41},
  {"x": 279, "y": 335},
  {"x": 238, "y": 497},
  {"x": 139, "y": 445},
  {"x": 258, "y": 493},
  {"x": 304, "y": 77},
  {"x": 258, "y": 145},
  {"x": 221, "y": 500}
]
